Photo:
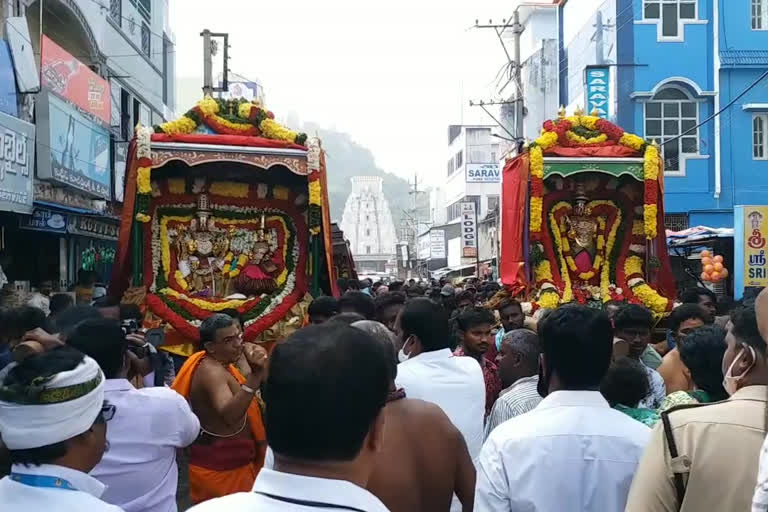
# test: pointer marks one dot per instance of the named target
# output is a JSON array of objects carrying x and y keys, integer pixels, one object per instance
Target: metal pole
[
  {"x": 517, "y": 29},
  {"x": 477, "y": 244},
  {"x": 207, "y": 63}
]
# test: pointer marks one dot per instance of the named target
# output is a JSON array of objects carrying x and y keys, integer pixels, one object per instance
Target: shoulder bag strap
[{"x": 670, "y": 437}]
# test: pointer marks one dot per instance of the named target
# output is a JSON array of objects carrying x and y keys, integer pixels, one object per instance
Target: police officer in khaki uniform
[{"x": 705, "y": 457}]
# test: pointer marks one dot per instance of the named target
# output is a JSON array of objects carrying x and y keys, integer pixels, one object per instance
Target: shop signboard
[
  {"x": 93, "y": 227},
  {"x": 17, "y": 158},
  {"x": 598, "y": 90},
  {"x": 71, "y": 79},
  {"x": 7, "y": 82},
  {"x": 750, "y": 248},
  {"x": 483, "y": 173},
  {"x": 468, "y": 230},
  {"x": 72, "y": 149},
  {"x": 423, "y": 246},
  {"x": 43, "y": 219},
  {"x": 437, "y": 244}
]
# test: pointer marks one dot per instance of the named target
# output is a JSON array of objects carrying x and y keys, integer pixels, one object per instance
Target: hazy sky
[{"x": 392, "y": 74}]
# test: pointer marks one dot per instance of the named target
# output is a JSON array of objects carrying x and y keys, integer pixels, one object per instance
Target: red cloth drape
[{"x": 514, "y": 192}]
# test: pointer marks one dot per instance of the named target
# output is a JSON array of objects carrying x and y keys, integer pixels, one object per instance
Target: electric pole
[
  {"x": 210, "y": 49},
  {"x": 517, "y": 29}
]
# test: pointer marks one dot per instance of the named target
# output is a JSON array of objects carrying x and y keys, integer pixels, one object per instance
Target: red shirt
[{"x": 491, "y": 377}]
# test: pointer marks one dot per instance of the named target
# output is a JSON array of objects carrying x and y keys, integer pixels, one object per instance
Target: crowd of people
[{"x": 395, "y": 397}]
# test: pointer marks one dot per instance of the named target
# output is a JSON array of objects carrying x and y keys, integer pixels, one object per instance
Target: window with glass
[
  {"x": 759, "y": 137},
  {"x": 669, "y": 13},
  {"x": 671, "y": 117},
  {"x": 459, "y": 159},
  {"x": 759, "y": 14},
  {"x": 146, "y": 40},
  {"x": 144, "y": 7},
  {"x": 451, "y": 168}
]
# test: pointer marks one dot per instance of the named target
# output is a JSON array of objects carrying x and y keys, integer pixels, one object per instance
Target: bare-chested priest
[{"x": 230, "y": 450}]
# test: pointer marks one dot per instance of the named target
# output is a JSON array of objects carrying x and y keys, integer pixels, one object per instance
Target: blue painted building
[{"x": 674, "y": 64}]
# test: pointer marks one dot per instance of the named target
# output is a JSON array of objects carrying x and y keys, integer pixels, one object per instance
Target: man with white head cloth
[{"x": 53, "y": 422}]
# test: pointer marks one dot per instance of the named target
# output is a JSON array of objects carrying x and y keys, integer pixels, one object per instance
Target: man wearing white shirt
[
  {"x": 573, "y": 452},
  {"x": 325, "y": 445},
  {"x": 429, "y": 371},
  {"x": 149, "y": 425},
  {"x": 53, "y": 422}
]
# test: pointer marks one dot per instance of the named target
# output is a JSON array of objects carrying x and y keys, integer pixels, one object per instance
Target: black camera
[{"x": 130, "y": 326}]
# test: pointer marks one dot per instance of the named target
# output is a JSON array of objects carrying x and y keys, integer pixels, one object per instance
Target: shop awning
[
  {"x": 696, "y": 235},
  {"x": 73, "y": 209}
]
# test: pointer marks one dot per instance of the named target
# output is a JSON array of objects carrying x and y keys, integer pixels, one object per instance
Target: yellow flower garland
[
  {"x": 143, "y": 217},
  {"x": 589, "y": 122},
  {"x": 650, "y": 298},
  {"x": 315, "y": 193},
  {"x": 180, "y": 279},
  {"x": 229, "y": 189},
  {"x": 537, "y": 204},
  {"x": 582, "y": 140},
  {"x": 638, "y": 227},
  {"x": 177, "y": 185},
  {"x": 183, "y": 126},
  {"x": 650, "y": 212},
  {"x": 537, "y": 162},
  {"x": 548, "y": 299},
  {"x": 567, "y": 291},
  {"x": 605, "y": 275},
  {"x": 547, "y": 140},
  {"x": 651, "y": 163},
  {"x": 204, "y": 304},
  {"x": 542, "y": 271},
  {"x": 274, "y": 130},
  {"x": 143, "y": 182},
  {"x": 631, "y": 141},
  {"x": 208, "y": 106},
  {"x": 244, "y": 110}
]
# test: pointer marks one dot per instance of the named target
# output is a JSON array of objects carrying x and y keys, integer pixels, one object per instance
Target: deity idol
[
  {"x": 258, "y": 276},
  {"x": 582, "y": 232},
  {"x": 200, "y": 259}
]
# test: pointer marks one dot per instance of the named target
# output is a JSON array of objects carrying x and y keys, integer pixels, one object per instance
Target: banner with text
[
  {"x": 483, "y": 173},
  {"x": 437, "y": 243},
  {"x": 598, "y": 90},
  {"x": 468, "y": 230},
  {"x": 755, "y": 233},
  {"x": 17, "y": 159}
]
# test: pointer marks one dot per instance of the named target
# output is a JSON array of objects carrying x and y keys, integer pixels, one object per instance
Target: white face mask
[
  {"x": 731, "y": 383},
  {"x": 401, "y": 355}
]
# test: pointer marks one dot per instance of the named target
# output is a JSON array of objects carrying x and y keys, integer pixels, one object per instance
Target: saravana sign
[{"x": 483, "y": 173}]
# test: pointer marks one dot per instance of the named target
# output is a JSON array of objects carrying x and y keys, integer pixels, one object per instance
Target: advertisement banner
[
  {"x": 423, "y": 246},
  {"x": 755, "y": 233},
  {"x": 17, "y": 159},
  {"x": 437, "y": 243},
  {"x": 483, "y": 173},
  {"x": 468, "y": 230},
  {"x": 72, "y": 149},
  {"x": 598, "y": 90},
  {"x": 73, "y": 80}
]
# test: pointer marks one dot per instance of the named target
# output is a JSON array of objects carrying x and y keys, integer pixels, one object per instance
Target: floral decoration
[{"x": 232, "y": 117}]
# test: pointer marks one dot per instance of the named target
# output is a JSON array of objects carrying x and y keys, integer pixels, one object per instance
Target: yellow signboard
[{"x": 755, "y": 241}]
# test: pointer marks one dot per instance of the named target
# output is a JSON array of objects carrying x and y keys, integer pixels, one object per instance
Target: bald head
[{"x": 518, "y": 356}]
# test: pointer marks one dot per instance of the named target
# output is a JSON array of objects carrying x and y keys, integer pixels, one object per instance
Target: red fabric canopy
[
  {"x": 226, "y": 140},
  {"x": 594, "y": 151}
]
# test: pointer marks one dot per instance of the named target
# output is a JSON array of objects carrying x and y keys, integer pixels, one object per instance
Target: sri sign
[
  {"x": 750, "y": 244},
  {"x": 71, "y": 79},
  {"x": 468, "y": 230},
  {"x": 598, "y": 90},
  {"x": 17, "y": 159},
  {"x": 72, "y": 149},
  {"x": 483, "y": 173}
]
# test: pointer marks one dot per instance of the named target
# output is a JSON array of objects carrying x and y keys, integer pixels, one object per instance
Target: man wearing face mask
[{"x": 705, "y": 457}]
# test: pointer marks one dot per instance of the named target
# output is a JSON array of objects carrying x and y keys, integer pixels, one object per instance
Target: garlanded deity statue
[
  {"x": 259, "y": 274},
  {"x": 582, "y": 231},
  {"x": 200, "y": 255}
]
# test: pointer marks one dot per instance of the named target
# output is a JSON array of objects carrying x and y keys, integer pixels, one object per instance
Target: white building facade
[{"x": 367, "y": 224}]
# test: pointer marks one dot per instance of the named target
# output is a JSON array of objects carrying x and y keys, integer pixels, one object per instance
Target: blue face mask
[{"x": 499, "y": 337}]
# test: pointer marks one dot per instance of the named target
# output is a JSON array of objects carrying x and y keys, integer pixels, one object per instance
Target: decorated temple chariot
[
  {"x": 583, "y": 218},
  {"x": 225, "y": 209}
]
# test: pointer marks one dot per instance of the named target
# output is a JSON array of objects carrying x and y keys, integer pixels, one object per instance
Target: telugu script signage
[
  {"x": 483, "y": 173},
  {"x": 73, "y": 80},
  {"x": 468, "y": 230},
  {"x": 17, "y": 158},
  {"x": 598, "y": 90},
  {"x": 755, "y": 233}
]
